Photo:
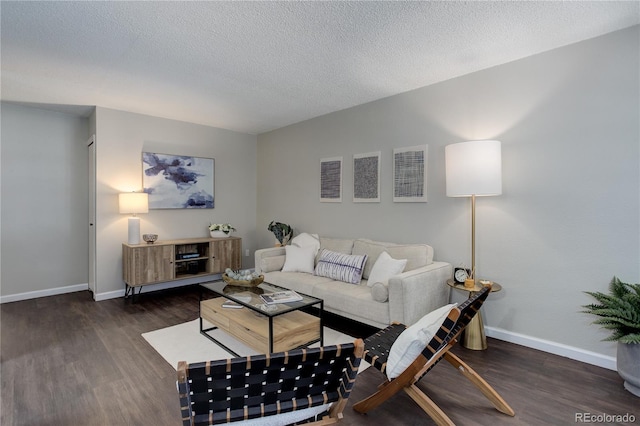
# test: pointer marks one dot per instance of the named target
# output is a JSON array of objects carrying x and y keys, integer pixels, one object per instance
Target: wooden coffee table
[{"x": 281, "y": 328}]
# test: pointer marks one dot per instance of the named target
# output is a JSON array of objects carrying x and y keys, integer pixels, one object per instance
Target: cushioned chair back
[
  {"x": 451, "y": 329},
  {"x": 263, "y": 385},
  {"x": 437, "y": 349}
]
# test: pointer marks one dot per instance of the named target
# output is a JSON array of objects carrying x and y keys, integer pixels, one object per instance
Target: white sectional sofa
[{"x": 306, "y": 266}]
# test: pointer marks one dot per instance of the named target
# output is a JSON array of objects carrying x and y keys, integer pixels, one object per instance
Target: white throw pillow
[
  {"x": 299, "y": 259},
  {"x": 379, "y": 292},
  {"x": 414, "y": 339},
  {"x": 385, "y": 268},
  {"x": 307, "y": 240}
]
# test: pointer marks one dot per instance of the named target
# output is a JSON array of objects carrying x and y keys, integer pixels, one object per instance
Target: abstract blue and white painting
[{"x": 178, "y": 182}]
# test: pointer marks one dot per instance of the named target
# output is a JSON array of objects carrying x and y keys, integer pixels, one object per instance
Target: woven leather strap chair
[
  {"x": 377, "y": 349},
  {"x": 293, "y": 384}
]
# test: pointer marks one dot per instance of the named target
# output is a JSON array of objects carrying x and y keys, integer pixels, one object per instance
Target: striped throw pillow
[{"x": 340, "y": 266}]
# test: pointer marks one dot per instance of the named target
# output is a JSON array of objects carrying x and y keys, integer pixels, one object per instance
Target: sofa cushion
[
  {"x": 272, "y": 263},
  {"x": 385, "y": 268},
  {"x": 417, "y": 255},
  {"x": 299, "y": 259},
  {"x": 413, "y": 340},
  {"x": 353, "y": 301},
  {"x": 339, "y": 266},
  {"x": 380, "y": 292},
  {"x": 297, "y": 281},
  {"x": 372, "y": 249},
  {"x": 336, "y": 244}
]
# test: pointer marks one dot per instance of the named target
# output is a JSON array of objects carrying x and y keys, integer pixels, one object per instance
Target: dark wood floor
[{"x": 67, "y": 360}]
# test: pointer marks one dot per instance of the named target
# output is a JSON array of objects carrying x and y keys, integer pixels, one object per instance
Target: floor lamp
[
  {"x": 474, "y": 169},
  {"x": 133, "y": 203}
]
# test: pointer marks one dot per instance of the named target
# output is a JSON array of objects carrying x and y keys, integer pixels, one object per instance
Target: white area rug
[{"x": 183, "y": 342}]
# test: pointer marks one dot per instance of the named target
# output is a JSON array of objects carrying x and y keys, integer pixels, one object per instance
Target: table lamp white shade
[
  {"x": 473, "y": 168},
  {"x": 133, "y": 203}
]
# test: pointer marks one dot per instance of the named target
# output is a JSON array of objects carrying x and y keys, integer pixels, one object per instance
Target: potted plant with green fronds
[
  {"x": 281, "y": 231},
  {"x": 619, "y": 311}
]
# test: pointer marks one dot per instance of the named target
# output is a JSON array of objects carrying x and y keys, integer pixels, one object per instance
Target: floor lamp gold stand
[{"x": 474, "y": 169}]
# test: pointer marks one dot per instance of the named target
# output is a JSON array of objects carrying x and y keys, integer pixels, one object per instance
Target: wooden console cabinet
[{"x": 172, "y": 260}]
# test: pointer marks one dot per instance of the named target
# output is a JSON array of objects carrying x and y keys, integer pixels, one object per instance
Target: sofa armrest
[
  {"x": 415, "y": 293},
  {"x": 262, "y": 257}
]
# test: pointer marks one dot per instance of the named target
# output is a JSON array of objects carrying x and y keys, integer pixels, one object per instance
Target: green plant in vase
[
  {"x": 221, "y": 229},
  {"x": 619, "y": 311},
  {"x": 281, "y": 231}
]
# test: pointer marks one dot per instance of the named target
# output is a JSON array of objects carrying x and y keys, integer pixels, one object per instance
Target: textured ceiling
[{"x": 258, "y": 66}]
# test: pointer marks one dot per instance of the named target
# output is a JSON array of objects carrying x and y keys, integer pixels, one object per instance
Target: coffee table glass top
[{"x": 250, "y": 297}]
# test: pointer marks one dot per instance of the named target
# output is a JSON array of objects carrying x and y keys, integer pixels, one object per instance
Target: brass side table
[{"x": 473, "y": 337}]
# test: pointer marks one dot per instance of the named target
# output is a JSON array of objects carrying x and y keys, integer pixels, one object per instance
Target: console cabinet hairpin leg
[
  {"x": 171, "y": 260},
  {"x": 131, "y": 291}
]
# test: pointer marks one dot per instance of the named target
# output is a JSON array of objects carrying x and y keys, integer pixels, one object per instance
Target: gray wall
[
  {"x": 568, "y": 217},
  {"x": 44, "y": 180},
  {"x": 44, "y": 200},
  {"x": 121, "y": 137}
]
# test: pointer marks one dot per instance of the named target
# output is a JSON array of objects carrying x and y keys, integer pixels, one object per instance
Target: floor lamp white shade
[
  {"x": 473, "y": 169},
  {"x": 133, "y": 203}
]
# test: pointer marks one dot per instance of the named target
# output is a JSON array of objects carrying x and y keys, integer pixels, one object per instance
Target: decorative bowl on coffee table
[{"x": 243, "y": 283}]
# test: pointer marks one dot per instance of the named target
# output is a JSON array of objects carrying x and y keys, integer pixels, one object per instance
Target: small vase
[
  {"x": 628, "y": 366},
  {"x": 218, "y": 234}
]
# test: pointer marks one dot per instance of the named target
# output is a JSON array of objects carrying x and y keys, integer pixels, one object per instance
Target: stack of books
[{"x": 280, "y": 297}]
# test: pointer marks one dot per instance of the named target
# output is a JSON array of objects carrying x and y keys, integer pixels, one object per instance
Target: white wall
[
  {"x": 44, "y": 201},
  {"x": 121, "y": 137},
  {"x": 568, "y": 219}
]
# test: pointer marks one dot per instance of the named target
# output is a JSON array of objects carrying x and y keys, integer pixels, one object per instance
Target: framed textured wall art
[
  {"x": 366, "y": 178},
  {"x": 331, "y": 180},
  {"x": 410, "y": 174},
  {"x": 178, "y": 181}
]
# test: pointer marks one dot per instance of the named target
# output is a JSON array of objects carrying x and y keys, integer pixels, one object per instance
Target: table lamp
[
  {"x": 134, "y": 203},
  {"x": 473, "y": 169}
]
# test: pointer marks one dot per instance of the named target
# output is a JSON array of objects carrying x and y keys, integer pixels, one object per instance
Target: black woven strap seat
[
  {"x": 378, "y": 346},
  {"x": 225, "y": 391}
]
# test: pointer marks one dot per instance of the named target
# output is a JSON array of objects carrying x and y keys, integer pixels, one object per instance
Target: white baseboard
[
  {"x": 43, "y": 293},
  {"x": 589, "y": 357},
  {"x": 109, "y": 295}
]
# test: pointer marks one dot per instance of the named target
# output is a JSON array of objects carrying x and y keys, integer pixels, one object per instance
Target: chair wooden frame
[
  {"x": 225, "y": 391},
  {"x": 377, "y": 349}
]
